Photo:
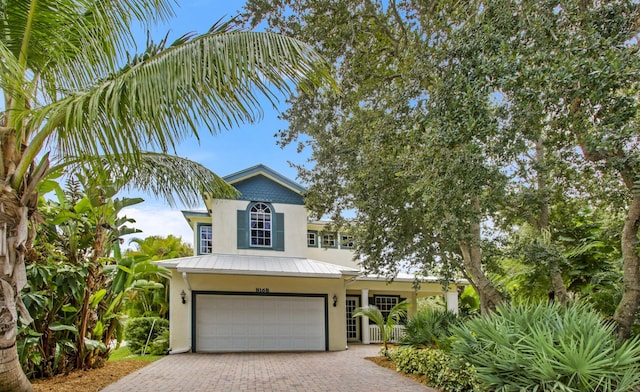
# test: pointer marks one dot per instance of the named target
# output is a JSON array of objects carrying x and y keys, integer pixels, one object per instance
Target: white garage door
[{"x": 259, "y": 323}]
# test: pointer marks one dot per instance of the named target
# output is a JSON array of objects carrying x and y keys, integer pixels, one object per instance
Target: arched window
[{"x": 260, "y": 222}]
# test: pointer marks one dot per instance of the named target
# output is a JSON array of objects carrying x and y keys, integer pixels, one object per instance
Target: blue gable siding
[{"x": 261, "y": 188}]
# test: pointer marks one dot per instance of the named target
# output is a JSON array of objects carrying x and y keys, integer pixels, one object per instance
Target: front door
[{"x": 353, "y": 323}]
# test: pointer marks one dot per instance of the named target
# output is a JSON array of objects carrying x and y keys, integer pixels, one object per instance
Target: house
[{"x": 266, "y": 278}]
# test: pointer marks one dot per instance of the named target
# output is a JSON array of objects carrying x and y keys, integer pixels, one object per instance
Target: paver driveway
[{"x": 309, "y": 372}]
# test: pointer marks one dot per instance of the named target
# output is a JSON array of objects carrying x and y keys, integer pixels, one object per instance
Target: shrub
[
  {"x": 160, "y": 346},
  {"x": 429, "y": 328},
  {"x": 547, "y": 347},
  {"x": 139, "y": 329},
  {"x": 442, "y": 371}
]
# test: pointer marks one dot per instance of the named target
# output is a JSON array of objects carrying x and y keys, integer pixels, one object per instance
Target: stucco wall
[
  {"x": 180, "y": 314},
  {"x": 225, "y": 229}
]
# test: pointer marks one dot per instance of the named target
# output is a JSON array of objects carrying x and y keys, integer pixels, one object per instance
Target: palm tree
[
  {"x": 160, "y": 248},
  {"x": 73, "y": 95},
  {"x": 386, "y": 325}
]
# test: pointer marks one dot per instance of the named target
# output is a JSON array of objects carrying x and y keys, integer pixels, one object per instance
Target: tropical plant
[
  {"x": 148, "y": 293},
  {"x": 430, "y": 327},
  {"x": 141, "y": 332},
  {"x": 70, "y": 85},
  {"x": 143, "y": 284},
  {"x": 441, "y": 369},
  {"x": 386, "y": 324},
  {"x": 75, "y": 290},
  {"x": 160, "y": 248},
  {"x": 548, "y": 347}
]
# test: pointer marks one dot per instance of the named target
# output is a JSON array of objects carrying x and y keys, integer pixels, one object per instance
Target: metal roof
[{"x": 216, "y": 263}]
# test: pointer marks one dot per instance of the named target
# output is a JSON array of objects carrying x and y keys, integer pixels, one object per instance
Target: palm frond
[
  {"x": 59, "y": 38},
  {"x": 10, "y": 73},
  {"x": 168, "y": 177},
  {"x": 213, "y": 80}
]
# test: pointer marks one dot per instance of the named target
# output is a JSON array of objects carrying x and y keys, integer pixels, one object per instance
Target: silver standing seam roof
[{"x": 231, "y": 264}]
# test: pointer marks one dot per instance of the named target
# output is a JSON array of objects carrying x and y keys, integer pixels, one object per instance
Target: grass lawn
[{"x": 123, "y": 353}]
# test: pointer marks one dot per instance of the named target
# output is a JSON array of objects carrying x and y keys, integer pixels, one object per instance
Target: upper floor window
[
  {"x": 346, "y": 241},
  {"x": 312, "y": 239},
  {"x": 260, "y": 227},
  {"x": 205, "y": 239},
  {"x": 260, "y": 224},
  {"x": 329, "y": 240}
]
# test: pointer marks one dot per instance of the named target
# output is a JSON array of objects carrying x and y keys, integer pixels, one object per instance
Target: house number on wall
[{"x": 262, "y": 290}]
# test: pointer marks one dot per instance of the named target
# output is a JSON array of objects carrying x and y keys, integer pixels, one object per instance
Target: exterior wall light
[
  {"x": 335, "y": 300},
  {"x": 183, "y": 295}
]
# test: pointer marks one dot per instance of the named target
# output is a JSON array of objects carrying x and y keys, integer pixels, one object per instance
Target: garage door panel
[{"x": 259, "y": 323}]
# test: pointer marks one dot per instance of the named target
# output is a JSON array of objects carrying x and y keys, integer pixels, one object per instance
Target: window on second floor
[
  {"x": 329, "y": 240},
  {"x": 312, "y": 239},
  {"x": 205, "y": 239},
  {"x": 260, "y": 224},
  {"x": 346, "y": 241}
]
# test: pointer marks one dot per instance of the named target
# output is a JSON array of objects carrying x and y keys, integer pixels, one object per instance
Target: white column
[
  {"x": 366, "y": 339},
  {"x": 452, "y": 301}
]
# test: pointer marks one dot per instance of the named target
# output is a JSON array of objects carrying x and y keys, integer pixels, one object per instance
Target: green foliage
[
  {"x": 429, "y": 327},
  {"x": 387, "y": 325},
  {"x": 147, "y": 291},
  {"x": 76, "y": 290},
  {"x": 441, "y": 370},
  {"x": 124, "y": 353},
  {"x": 469, "y": 304},
  {"x": 456, "y": 113},
  {"x": 547, "y": 347},
  {"x": 141, "y": 332},
  {"x": 160, "y": 248},
  {"x": 160, "y": 345}
]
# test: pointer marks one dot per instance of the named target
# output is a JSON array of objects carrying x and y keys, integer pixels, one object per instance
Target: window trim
[
  {"x": 199, "y": 228},
  {"x": 243, "y": 231},
  {"x": 335, "y": 240},
  {"x": 316, "y": 237},
  {"x": 349, "y": 238},
  {"x": 385, "y": 313},
  {"x": 260, "y": 218}
]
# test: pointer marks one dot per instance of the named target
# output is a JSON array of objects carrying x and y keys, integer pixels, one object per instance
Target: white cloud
[{"x": 157, "y": 219}]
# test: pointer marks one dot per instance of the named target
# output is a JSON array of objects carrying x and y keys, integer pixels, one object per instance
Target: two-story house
[{"x": 266, "y": 278}]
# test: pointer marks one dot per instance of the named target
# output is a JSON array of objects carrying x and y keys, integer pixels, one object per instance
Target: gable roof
[
  {"x": 267, "y": 172},
  {"x": 260, "y": 183}
]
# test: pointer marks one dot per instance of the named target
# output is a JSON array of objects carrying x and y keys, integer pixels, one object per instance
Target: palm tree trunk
[
  {"x": 14, "y": 235},
  {"x": 12, "y": 377}
]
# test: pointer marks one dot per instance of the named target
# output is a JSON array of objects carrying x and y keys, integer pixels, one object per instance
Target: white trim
[
  {"x": 452, "y": 301},
  {"x": 364, "y": 302}
]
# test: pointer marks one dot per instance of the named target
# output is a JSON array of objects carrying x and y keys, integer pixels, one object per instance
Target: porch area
[{"x": 376, "y": 337}]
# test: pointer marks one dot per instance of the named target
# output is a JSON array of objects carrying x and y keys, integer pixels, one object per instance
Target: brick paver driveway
[{"x": 309, "y": 372}]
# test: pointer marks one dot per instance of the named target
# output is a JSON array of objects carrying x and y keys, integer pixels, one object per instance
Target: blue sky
[{"x": 226, "y": 152}]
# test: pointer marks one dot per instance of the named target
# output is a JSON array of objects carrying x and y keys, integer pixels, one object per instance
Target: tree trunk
[
  {"x": 559, "y": 289},
  {"x": 628, "y": 306},
  {"x": 14, "y": 233},
  {"x": 12, "y": 377},
  {"x": 490, "y": 297},
  {"x": 542, "y": 224}
]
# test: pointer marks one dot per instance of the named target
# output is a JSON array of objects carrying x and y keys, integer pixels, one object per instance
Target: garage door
[{"x": 259, "y": 323}]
